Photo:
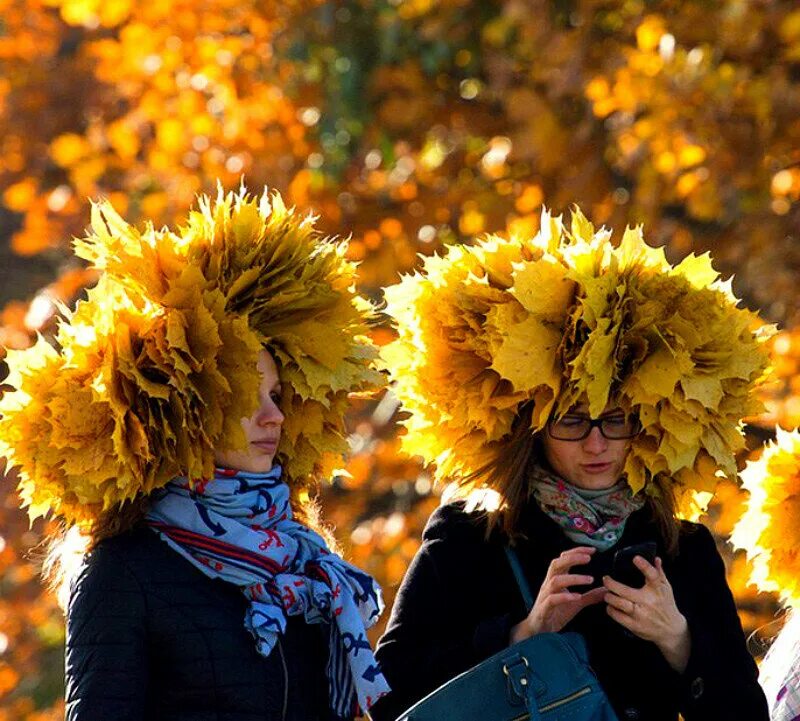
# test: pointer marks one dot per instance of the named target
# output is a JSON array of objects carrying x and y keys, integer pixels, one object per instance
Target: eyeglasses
[{"x": 574, "y": 427}]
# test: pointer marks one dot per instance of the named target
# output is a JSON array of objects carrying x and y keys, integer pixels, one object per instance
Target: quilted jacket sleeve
[{"x": 106, "y": 655}]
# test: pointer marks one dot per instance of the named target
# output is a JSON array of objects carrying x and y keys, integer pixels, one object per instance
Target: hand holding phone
[{"x": 624, "y": 571}]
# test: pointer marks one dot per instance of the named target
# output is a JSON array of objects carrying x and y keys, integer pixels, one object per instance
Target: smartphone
[{"x": 624, "y": 571}]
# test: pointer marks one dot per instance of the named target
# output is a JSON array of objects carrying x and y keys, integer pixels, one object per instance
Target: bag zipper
[
  {"x": 555, "y": 704},
  {"x": 285, "y": 682}
]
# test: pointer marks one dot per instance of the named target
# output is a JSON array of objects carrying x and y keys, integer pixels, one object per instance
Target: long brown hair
[
  {"x": 509, "y": 475},
  {"x": 66, "y": 546}
]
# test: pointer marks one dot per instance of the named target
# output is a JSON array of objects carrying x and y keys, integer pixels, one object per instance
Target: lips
[
  {"x": 597, "y": 467},
  {"x": 268, "y": 445}
]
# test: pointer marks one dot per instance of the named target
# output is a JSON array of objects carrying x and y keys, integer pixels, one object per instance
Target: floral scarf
[
  {"x": 238, "y": 527},
  {"x": 588, "y": 517}
]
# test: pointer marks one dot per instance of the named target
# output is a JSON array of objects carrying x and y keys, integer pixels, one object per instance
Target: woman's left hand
[{"x": 650, "y": 612}]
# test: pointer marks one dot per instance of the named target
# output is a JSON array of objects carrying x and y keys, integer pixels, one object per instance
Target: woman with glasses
[{"x": 550, "y": 396}]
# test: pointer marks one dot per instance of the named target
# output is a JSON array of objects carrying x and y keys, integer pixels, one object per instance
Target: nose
[
  {"x": 270, "y": 414},
  {"x": 595, "y": 443}
]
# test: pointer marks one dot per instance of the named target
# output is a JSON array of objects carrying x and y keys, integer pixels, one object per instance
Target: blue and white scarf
[{"x": 239, "y": 527}]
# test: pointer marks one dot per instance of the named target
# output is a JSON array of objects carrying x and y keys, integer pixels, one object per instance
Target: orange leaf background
[{"x": 407, "y": 126}]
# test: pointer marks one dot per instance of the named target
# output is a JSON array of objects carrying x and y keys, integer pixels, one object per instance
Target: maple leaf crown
[
  {"x": 565, "y": 317},
  {"x": 769, "y": 528},
  {"x": 159, "y": 364}
]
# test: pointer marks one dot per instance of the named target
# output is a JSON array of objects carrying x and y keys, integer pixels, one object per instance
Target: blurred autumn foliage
[{"x": 407, "y": 124}]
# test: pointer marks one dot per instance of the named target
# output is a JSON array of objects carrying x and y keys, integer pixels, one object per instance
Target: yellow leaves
[
  {"x": 698, "y": 270},
  {"x": 659, "y": 374},
  {"x": 9, "y": 678},
  {"x": 472, "y": 221},
  {"x": 597, "y": 88},
  {"x": 592, "y": 370},
  {"x": 768, "y": 529},
  {"x": 707, "y": 390},
  {"x": 782, "y": 397},
  {"x": 391, "y": 228},
  {"x": 522, "y": 353},
  {"x": 68, "y": 149},
  {"x": 523, "y": 227},
  {"x": 158, "y": 366},
  {"x": 530, "y": 199},
  {"x": 154, "y": 205},
  {"x": 786, "y": 183},
  {"x": 543, "y": 288},
  {"x": 565, "y": 316},
  {"x": 649, "y": 32},
  {"x": 124, "y": 139},
  {"x": 599, "y": 91},
  {"x": 19, "y": 196},
  {"x": 91, "y": 13},
  {"x": 171, "y": 135},
  {"x": 789, "y": 30},
  {"x": 691, "y": 155}
]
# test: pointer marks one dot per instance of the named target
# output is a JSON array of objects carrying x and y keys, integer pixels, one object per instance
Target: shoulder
[
  {"x": 127, "y": 563},
  {"x": 698, "y": 557},
  {"x": 112, "y": 558},
  {"x": 452, "y": 522},
  {"x": 107, "y": 582},
  {"x": 695, "y": 537},
  {"x": 136, "y": 548}
]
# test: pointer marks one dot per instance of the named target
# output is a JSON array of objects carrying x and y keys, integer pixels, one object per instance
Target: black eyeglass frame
[{"x": 598, "y": 423}]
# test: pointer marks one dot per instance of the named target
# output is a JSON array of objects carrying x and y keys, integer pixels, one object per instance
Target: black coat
[
  {"x": 151, "y": 638},
  {"x": 459, "y": 600}
]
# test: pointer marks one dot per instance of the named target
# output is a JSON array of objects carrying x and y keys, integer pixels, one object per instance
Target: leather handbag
[{"x": 544, "y": 678}]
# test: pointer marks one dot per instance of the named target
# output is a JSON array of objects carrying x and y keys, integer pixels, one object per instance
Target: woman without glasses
[{"x": 198, "y": 393}]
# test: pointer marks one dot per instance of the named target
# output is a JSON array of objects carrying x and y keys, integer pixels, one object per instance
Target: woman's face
[
  {"x": 593, "y": 463},
  {"x": 263, "y": 428}
]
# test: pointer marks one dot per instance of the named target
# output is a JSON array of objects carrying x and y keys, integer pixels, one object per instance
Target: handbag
[{"x": 544, "y": 678}]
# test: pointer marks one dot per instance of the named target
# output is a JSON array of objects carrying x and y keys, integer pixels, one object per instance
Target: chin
[
  {"x": 251, "y": 464},
  {"x": 596, "y": 483},
  {"x": 261, "y": 466}
]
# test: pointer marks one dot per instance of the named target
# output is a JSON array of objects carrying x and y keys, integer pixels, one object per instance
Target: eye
[
  {"x": 571, "y": 421},
  {"x": 276, "y": 397},
  {"x": 615, "y": 420}
]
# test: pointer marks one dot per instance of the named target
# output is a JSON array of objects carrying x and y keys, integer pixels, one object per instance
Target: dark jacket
[
  {"x": 459, "y": 600},
  {"x": 151, "y": 638}
]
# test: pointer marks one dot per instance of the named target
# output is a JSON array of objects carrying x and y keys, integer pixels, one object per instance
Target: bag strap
[{"x": 522, "y": 582}]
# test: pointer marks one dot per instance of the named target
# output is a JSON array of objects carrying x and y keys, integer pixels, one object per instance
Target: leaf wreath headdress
[
  {"x": 769, "y": 529},
  {"x": 159, "y": 364},
  {"x": 565, "y": 316}
]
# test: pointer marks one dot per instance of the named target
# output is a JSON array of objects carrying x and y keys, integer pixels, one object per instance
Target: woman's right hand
[{"x": 556, "y": 605}]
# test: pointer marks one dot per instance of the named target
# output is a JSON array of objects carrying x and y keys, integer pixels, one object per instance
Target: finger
[
  {"x": 568, "y": 556},
  {"x": 579, "y": 549},
  {"x": 623, "y": 619},
  {"x": 596, "y": 595},
  {"x": 650, "y": 572},
  {"x": 620, "y": 589},
  {"x": 564, "y": 580},
  {"x": 660, "y": 568},
  {"x": 557, "y": 599},
  {"x": 622, "y": 604},
  {"x": 572, "y": 557}
]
